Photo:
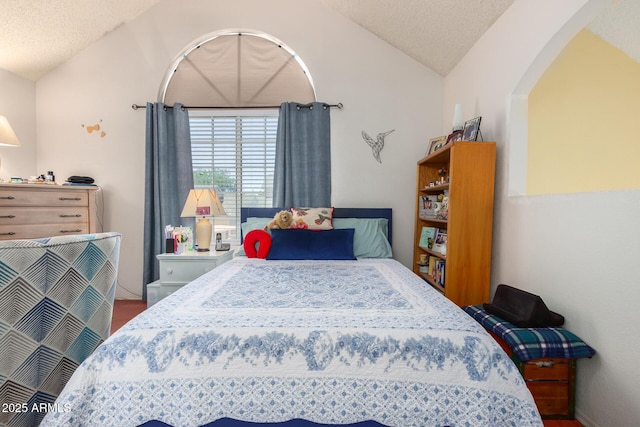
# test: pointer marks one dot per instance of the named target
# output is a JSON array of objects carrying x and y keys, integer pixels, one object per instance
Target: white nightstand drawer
[
  {"x": 184, "y": 271},
  {"x": 176, "y": 270}
]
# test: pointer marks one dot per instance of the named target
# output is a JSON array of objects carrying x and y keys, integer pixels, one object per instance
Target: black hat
[{"x": 522, "y": 308}]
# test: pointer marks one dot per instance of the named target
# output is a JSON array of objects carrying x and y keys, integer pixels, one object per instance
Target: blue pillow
[
  {"x": 370, "y": 238},
  {"x": 297, "y": 244}
]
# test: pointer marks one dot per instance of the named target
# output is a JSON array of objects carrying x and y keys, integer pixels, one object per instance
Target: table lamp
[
  {"x": 8, "y": 137},
  {"x": 203, "y": 203}
]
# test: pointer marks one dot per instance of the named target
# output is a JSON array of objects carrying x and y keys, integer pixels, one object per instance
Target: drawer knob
[
  {"x": 71, "y": 231},
  {"x": 70, "y": 198},
  {"x": 70, "y": 216},
  {"x": 10, "y": 233},
  {"x": 7, "y": 197},
  {"x": 7, "y": 216},
  {"x": 169, "y": 270}
]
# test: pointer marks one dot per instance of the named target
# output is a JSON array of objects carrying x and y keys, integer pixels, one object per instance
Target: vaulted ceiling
[{"x": 36, "y": 36}]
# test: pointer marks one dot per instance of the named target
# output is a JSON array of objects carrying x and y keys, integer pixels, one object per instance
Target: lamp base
[{"x": 203, "y": 234}]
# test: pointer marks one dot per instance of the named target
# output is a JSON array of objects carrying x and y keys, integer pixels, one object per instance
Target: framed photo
[
  {"x": 471, "y": 129},
  {"x": 436, "y": 143},
  {"x": 455, "y": 136}
]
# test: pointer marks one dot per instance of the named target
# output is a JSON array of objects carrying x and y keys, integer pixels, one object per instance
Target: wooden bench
[{"x": 546, "y": 358}]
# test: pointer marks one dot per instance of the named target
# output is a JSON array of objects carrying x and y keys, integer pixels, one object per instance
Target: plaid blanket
[{"x": 532, "y": 343}]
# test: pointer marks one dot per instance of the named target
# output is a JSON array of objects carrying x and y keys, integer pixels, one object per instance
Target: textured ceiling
[
  {"x": 436, "y": 33},
  {"x": 36, "y": 36},
  {"x": 619, "y": 25}
]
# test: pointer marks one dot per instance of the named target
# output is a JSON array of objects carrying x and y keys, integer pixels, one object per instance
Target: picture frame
[
  {"x": 436, "y": 143},
  {"x": 471, "y": 129},
  {"x": 454, "y": 136}
]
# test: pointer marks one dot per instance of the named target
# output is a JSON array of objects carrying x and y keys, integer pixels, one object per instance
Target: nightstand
[{"x": 176, "y": 270}]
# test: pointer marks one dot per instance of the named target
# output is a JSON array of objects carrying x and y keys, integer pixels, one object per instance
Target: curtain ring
[
  {"x": 310, "y": 107},
  {"x": 298, "y": 107}
]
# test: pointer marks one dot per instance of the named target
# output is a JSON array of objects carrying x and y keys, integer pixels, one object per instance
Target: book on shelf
[
  {"x": 427, "y": 237},
  {"x": 440, "y": 241},
  {"x": 432, "y": 266},
  {"x": 436, "y": 270},
  {"x": 439, "y": 272}
]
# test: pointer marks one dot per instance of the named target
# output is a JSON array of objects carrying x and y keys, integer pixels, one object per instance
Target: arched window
[
  {"x": 232, "y": 83},
  {"x": 237, "y": 69}
]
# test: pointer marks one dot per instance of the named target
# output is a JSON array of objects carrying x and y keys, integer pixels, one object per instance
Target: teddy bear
[{"x": 282, "y": 219}]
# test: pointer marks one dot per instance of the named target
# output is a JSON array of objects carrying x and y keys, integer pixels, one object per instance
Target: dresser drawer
[
  {"x": 37, "y": 215},
  {"x": 34, "y": 231},
  {"x": 18, "y": 197}
]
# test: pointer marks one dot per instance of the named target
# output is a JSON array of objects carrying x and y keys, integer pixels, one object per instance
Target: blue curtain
[
  {"x": 302, "y": 175},
  {"x": 168, "y": 179}
]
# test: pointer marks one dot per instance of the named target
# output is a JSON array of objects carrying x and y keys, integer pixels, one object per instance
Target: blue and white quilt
[{"x": 327, "y": 341}]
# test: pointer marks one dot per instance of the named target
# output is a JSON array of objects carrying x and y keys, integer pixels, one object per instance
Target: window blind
[{"x": 234, "y": 155}]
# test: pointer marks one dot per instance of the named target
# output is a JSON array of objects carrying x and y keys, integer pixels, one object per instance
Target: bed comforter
[{"x": 327, "y": 341}]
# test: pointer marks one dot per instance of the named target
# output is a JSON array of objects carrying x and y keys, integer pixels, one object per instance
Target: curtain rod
[{"x": 339, "y": 106}]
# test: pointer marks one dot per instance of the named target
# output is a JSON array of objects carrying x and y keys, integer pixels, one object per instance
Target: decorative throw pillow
[
  {"x": 291, "y": 244},
  {"x": 312, "y": 218}
]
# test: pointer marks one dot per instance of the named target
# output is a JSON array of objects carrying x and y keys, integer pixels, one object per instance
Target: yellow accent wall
[{"x": 584, "y": 121}]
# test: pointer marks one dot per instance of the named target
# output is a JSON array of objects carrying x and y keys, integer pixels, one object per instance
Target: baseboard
[{"x": 584, "y": 420}]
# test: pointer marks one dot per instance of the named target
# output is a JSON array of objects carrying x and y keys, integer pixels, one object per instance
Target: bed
[{"x": 303, "y": 342}]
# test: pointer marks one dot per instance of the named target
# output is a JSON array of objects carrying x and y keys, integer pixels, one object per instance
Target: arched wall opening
[{"x": 520, "y": 165}]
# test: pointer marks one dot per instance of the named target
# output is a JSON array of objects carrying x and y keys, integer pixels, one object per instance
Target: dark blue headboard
[{"x": 337, "y": 213}]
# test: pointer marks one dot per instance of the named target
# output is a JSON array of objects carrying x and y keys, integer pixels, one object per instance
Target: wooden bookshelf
[{"x": 469, "y": 182}]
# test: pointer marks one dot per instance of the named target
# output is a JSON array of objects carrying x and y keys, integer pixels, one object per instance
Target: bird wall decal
[{"x": 376, "y": 145}]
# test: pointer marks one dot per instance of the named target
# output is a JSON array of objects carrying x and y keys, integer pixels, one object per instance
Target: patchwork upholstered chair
[{"x": 56, "y": 303}]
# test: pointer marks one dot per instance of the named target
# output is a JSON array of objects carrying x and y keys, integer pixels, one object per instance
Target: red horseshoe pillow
[{"x": 264, "y": 244}]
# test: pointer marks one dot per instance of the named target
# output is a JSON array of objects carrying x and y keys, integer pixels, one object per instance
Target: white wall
[
  {"x": 17, "y": 104},
  {"x": 578, "y": 251},
  {"x": 380, "y": 87}
]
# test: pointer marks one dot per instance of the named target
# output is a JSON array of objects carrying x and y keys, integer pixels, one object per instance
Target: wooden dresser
[{"x": 29, "y": 211}]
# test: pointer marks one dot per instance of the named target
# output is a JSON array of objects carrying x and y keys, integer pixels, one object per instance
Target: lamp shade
[
  {"x": 7, "y": 135},
  {"x": 203, "y": 202}
]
